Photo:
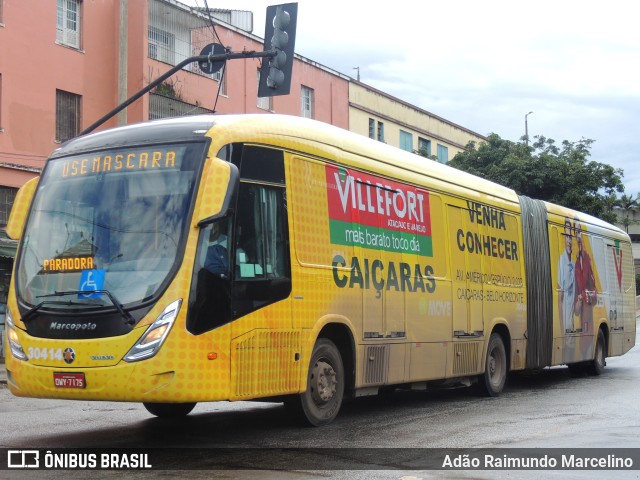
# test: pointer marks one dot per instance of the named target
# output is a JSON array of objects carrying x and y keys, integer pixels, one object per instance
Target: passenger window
[{"x": 262, "y": 272}]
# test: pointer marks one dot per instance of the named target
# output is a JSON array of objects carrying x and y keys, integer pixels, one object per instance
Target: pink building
[{"x": 65, "y": 63}]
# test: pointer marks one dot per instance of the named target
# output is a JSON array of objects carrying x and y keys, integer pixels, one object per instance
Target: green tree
[
  {"x": 627, "y": 206},
  {"x": 611, "y": 202},
  {"x": 423, "y": 152},
  {"x": 561, "y": 174}
]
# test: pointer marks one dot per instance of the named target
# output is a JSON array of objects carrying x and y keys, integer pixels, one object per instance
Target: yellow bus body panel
[{"x": 419, "y": 292}]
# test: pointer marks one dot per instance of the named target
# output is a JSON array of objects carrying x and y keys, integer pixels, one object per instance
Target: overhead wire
[{"x": 224, "y": 66}]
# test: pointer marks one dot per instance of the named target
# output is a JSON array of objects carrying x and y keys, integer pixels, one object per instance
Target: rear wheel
[
  {"x": 321, "y": 401},
  {"x": 492, "y": 381},
  {"x": 596, "y": 366},
  {"x": 169, "y": 410}
]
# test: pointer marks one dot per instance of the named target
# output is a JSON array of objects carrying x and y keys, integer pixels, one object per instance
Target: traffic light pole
[{"x": 198, "y": 58}]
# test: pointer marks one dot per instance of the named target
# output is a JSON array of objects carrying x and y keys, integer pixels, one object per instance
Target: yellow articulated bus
[{"x": 247, "y": 257}]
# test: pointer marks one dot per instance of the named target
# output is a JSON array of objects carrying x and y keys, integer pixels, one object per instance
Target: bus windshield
[{"x": 111, "y": 221}]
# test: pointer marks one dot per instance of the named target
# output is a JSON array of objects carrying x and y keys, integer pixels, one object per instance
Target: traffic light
[{"x": 279, "y": 36}]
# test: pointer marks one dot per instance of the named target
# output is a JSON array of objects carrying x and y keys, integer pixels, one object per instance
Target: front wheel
[
  {"x": 320, "y": 402},
  {"x": 169, "y": 410},
  {"x": 492, "y": 381}
]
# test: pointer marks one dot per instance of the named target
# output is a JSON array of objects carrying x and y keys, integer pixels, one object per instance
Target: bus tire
[
  {"x": 169, "y": 410},
  {"x": 320, "y": 403},
  {"x": 596, "y": 366},
  {"x": 491, "y": 382}
]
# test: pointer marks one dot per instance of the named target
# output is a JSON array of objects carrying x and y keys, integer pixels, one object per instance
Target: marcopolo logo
[
  {"x": 378, "y": 213},
  {"x": 72, "y": 326}
]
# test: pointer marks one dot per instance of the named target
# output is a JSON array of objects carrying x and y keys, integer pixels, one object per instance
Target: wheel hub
[{"x": 324, "y": 382}]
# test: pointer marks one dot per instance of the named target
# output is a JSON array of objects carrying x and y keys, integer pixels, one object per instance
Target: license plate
[{"x": 69, "y": 380}]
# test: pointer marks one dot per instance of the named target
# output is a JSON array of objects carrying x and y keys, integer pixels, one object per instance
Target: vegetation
[
  {"x": 545, "y": 171},
  {"x": 423, "y": 152},
  {"x": 626, "y": 206},
  {"x": 169, "y": 88}
]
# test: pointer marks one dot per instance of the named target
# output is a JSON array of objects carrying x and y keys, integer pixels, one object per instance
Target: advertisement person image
[
  {"x": 566, "y": 280},
  {"x": 586, "y": 296}
]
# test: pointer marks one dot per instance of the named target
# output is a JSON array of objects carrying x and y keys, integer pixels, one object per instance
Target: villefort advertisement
[{"x": 381, "y": 215}]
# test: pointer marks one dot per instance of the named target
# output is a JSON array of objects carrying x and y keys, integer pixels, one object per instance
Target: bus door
[
  {"x": 383, "y": 295},
  {"x": 264, "y": 347},
  {"x": 466, "y": 273},
  {"x": 614, "y": 256},
  {"x": 394, "y": 297},
  {"x": 383, "y": 308},
  {"x": 373, "y": 297}
]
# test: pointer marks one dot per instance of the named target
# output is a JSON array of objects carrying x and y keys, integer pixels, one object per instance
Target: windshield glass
[{"x": 111, "y": 220}]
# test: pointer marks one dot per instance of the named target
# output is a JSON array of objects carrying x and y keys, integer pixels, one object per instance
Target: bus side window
[{"x": 263, "y": 270}]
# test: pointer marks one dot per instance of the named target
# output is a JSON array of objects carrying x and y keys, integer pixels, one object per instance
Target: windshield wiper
[
  {"x": 32, "y": 311},
  {"x": 129, "y": 319}
]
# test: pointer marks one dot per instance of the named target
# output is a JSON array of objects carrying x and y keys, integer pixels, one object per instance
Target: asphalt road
[{"x": 374, "y": 437}]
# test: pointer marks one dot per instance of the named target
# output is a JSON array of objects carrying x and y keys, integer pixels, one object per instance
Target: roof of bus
[
  {"x": 580, "y": 217},
  {"x": 291, "y": 132},
  {"x": 157, "y": 131},
  {"x": 285, "y": 130},
  {"x": 263, "y": 127}
]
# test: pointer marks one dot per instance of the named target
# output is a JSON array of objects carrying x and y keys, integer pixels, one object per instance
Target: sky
[{"x": 485, "y": 65}]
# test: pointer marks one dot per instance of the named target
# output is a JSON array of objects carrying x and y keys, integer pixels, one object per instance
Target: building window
[
  {"x": 67, "y": 115},
  {"x": 264, "y": 103},
  {"x": 380, "y": 131},
  {"x": 443, "y": 154},
  {"x": 161, "y": 45},
  {"x": 307, "y": 102},
  {"x": 68, "y": 23},
  {"x": 163, "y": 106},
  {"x": 424, "y": 147},
  {"x": 406, "y": 141},
  {"x": 7, "y": 196},
  {"x": 1, "y": 21},
  {"x": 221, "y": 78},
  {"x": 372, "y": 128}
]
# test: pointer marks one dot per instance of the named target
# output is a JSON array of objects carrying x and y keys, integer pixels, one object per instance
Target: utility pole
[
  {"x": 526, "y": 129},
  {"x": 123, "y": 58}
]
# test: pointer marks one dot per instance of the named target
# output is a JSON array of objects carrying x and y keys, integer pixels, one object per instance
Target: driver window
[{"x": 210, "y": 298}]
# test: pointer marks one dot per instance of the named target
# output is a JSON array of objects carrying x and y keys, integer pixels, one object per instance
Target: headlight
[
  {"x": 154, "y": 337},
  {"x": 13, "y": 340}
]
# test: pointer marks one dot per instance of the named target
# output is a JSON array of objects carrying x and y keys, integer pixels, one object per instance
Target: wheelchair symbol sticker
[{"x": 91, "y": 280}]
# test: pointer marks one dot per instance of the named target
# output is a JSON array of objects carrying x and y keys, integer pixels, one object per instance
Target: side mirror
[
  {"x": 20, "y": 208},
  {"x": 217, "y": 189}
]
